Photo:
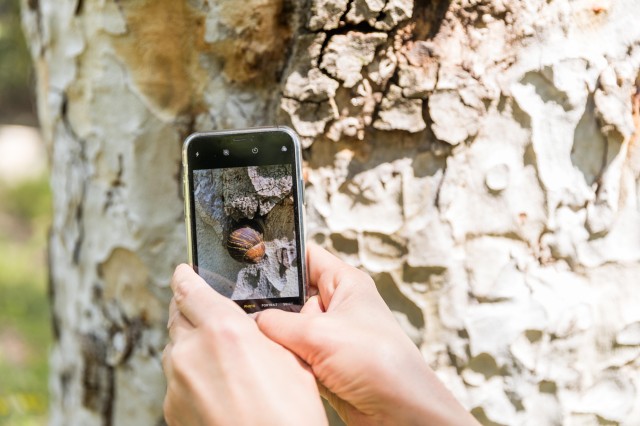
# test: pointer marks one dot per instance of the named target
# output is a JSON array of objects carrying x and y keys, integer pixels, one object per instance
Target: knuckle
[
  {"x": 178, "y": 359},
  {"x": 263, "y": 319},
  {"x": 318, "y": 330},
  {"x": 177, "y": 353},
  {"x": 226, "y": 329},
  {"x": 181, "y": 291},
  {"x": 166, "y": 354},
  {"x": 346, "y": 274}
]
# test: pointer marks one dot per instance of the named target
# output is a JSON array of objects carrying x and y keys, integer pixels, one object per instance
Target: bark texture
[{"x": 479, "y": 158}]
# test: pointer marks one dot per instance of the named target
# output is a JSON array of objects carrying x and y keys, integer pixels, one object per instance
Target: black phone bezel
[{"x": 206, "y": 151}]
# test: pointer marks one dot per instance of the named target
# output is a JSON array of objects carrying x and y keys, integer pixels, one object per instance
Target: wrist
[{"x": 418, "y": 397}]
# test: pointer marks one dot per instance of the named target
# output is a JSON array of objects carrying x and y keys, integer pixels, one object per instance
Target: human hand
[
  {"x": 369, "y": 370},
  {"x": 221, "y": 369}
]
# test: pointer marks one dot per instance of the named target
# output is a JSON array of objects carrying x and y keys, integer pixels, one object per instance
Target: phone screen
[{"x": 244, "y": 216}]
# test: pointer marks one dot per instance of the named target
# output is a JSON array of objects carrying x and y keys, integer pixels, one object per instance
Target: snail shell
[{"x": 246, "y": 244}]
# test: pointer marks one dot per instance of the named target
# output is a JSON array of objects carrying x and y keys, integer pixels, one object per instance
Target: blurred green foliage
[
  {"x": 30, "y": 199},
  {"x": 25, "y": 331},
  {"x": 16, "y": 76}
]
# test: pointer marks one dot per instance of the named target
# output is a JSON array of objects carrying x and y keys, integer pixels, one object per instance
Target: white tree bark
[{"x": 479, "y": 158}]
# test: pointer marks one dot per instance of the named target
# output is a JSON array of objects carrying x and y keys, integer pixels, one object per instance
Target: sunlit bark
[{"x": 479, "y": 158}]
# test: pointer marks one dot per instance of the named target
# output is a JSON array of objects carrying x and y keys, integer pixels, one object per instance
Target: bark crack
[
  {"x": 98, "y": 378},
  {"x": 79, "y": 7},
  {"x": 51, "y": 289},
  {"x": 382, "y": 14},
  {"x": 362, "y": 27},
  {"x": 79, "y": 209},
  {"x": 439, "y": 189},
  {"x": 116, "y": 184}
]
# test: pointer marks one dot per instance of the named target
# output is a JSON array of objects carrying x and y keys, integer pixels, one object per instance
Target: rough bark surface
[{"x": 479, "y": 158}]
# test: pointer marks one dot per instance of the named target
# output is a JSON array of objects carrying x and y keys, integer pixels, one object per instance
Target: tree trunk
[{"x": 479, "y": 158}]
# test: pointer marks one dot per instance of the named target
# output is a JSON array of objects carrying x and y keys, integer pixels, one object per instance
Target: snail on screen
[{"x": 246, "y": 242}]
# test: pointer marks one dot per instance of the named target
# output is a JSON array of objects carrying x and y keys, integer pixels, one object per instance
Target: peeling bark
[{"x": 479, "y": 158}]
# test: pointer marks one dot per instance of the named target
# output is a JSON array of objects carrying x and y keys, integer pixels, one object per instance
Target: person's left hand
[{"x": 221, "y": 369}]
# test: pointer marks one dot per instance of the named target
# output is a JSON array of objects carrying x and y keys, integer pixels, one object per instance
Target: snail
[{"x": 246, "y": 243}]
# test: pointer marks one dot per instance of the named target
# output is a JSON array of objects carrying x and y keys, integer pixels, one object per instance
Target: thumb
[
  {"x": 291, "y": 330},
  {"x": 195, "y": 299}
]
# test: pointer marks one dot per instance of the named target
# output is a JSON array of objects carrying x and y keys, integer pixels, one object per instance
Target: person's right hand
[{"x": 370, "y": 370}]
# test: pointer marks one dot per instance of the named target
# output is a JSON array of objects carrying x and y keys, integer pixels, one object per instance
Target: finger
[
  {"x": 179, "y": 328},
  {"x": 166, "y": 360},
  {"x": 327, "y": 272},
  {"x": 290, "y": 330},
  {"x": 321, "y": 263},
  {"x": 312, "y": 290},
  {"x": 173, "y": 312},
  {"x": 312, "y": 287},
  {"x": 195, "y": 299},
  {"x": 313, "y": 306}
]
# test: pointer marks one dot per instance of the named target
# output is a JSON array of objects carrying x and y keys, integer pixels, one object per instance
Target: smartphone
[{"x": 243, "y": 194}]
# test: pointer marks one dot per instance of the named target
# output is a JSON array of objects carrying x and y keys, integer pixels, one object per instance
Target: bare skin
[
  {"x": 368, "y": 369},
  {"x": 221, "y": 370},
  {"x": 223, "y": 367}
]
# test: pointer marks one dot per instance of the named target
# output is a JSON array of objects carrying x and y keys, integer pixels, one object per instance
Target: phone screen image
[{"x": 245, "y": 222}]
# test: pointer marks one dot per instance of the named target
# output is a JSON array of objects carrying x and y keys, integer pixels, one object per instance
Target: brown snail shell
[{"x": 246, "y": 244}]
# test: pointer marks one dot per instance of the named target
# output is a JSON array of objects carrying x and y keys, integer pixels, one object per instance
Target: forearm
[
  {"x": 412, "y": 392},
  {"x": 425, "y": 400}
]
